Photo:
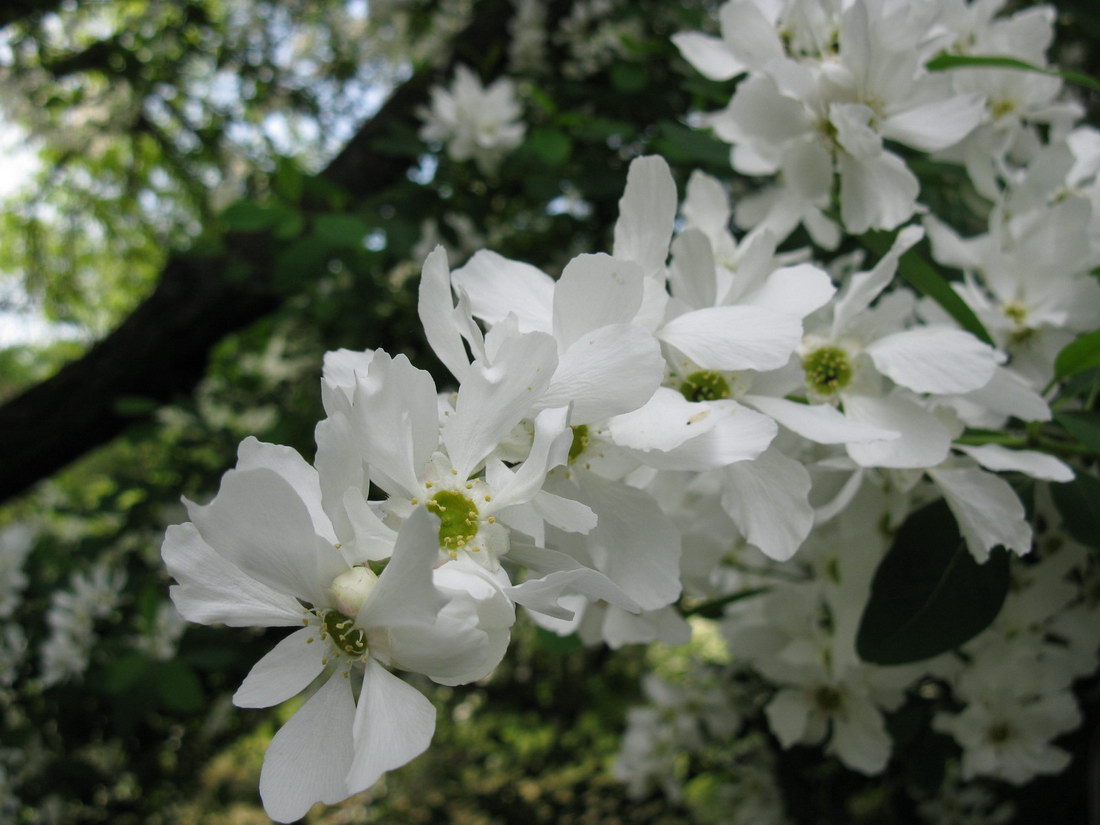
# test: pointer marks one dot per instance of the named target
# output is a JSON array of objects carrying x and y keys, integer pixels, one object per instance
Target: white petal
[
  {"x": 853, "y": 131},
  {"x": 666, "y": 626},
  {"x": 750, "y": 36},
  {"x": 564, "y": 513},
  {"x": 706, "y": 205},
  {"x": 937, "y": 124},
  {"x": 1008, "y": 394},
  {"x": 1034, "y": 464},
  {"x": 737, "y": 434},
  {"x": 397, "y": 422},
  {"x": 796, "y": 290},
  {"x": 309, "y": 757},
  {"x": 710, "y": 56},
  {"x": 609, "y": 371},
  {"x": 549, "y": 449},
  {"x": 634, "y": 542},
  {"x": 768, "y": 500},
  {"x": 493, "y": 399},
  {"x": 987, "y": 508},
  {"x": 788, "y": 716},
  {"x": 934, "y": 359},
  {"x": 646, "y": 214},
  {"x": 498, "y": 286},
  {"x": 394, "y": 724},
  {"x": 561, "y": 575},
  {"x": 664, "y": 422},
  {"x": 213, "y": 590},
  {"x": 260, "y": 524},
  {"x": 923, "y": 441},
  {"x": 877, "y": 192},
  {"x": 860, "y": 739},
  {"x": 734, "y": 338},
  {"x": 595, "y": 291},
  {"x": 340, "y": 468},
  {"x": 285, "y": 671},
  {"x": 821, "y": 423},
  {"x": 691, "y": 275},
  {"x": 436, "y": 311},
  {"x": 404, "y": 593},
  {"x": 253, "y": 454},
  {"x": 864, "y": 287}
]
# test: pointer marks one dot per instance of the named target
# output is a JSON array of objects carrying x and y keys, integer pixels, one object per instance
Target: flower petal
[
  {"x": 498, "y": 286},
  {"x": 647, "y": 210},
  {"x": 595, "y": 291},
  {"x": 768, "y": 500},
  {"x": 286, "y": 670},
  {"x": 734, "y": 338},
  {"x": 606, "y": 372},
  {"x": 394, "y": 724},
  {"x": 934, "y": 359},
  {"x": 309, "y": 757},
  {"x": 213, "y": 590},
  {"x": 987, "y": 508},
  {"x": 821, "y": 423},
  {"x": 922, "y": 442},
  {"x": 437, "y": 314},
  {"x": 1034, "y": 464}
]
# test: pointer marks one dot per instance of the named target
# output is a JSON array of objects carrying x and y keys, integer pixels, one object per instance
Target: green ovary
[
  {"x": 345, "y": 635},
  {"x": 580, "y": 442},
  {"x": 705, "y": 385},
  {"x": 828, "y": 370},
  {"x": 458, "y": 518}
]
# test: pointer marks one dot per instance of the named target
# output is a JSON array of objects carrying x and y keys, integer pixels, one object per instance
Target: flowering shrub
[{"x": 832, "y": 438}]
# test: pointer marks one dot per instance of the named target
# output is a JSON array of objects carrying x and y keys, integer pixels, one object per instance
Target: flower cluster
[
  {"x": 476, "y": 123},
  {"x": 695, "y": 415}
]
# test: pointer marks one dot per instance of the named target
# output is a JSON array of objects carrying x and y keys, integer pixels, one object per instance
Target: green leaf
[
  {"x": 550, "y": 146},
  {"x": 679, "y": 144},
  {"x": 1084, "y": 426},
  {"x": 553, "y": 643},
  {"x": 251, "y": 216},
  {"x": 926, "y": 280},
  {"x": 629, "y": 78},
  {"x": 1078, "y": 355},
  {"x": 125, "y": 672},
  {"x": 287, "y": 181},
  {"x": 341, "y": 231},
  {"x": 178, "y": 688},
  {"x": 948, "y": 62},
  {"x": 1079, "y": 503},
  {"x": 928, "y": 595}
]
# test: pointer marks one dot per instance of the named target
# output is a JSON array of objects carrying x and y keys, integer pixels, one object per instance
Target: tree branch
[{"x": 160, "y": 352}]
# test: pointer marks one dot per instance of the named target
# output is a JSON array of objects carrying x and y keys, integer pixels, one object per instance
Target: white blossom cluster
[
  {"x": 829, "y": 84},
  {"x": 474, "y": 122},
  {"x": 72, "y": 617},
  {"x": 679, "y": 417}
]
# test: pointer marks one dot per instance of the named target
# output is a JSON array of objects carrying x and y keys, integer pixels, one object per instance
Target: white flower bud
[{"x": 350, "y": 589}]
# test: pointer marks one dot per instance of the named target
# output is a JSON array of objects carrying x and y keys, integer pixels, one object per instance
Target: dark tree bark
[{"x": 160, "y": 351}]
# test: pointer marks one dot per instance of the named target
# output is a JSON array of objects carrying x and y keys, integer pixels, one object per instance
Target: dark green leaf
[
  {"x": 554, "y": 643},
  {"x": 550, "y": 146},
  {"x": 1078, "y": 355},
  {"x": 947, "y": 62},
  {"x": 287, "y": 181},
  {"x": 926, "y": 280},
  {"x": 1079, "y": 503},
  {"x": 1082, "y": 425},
  {"x": 178, "y": 687},
  {"x": 123, "y": 673},
  {"x": 629, "y": 78},
  {"x": 341, "y": 231},
  {"x": 928, "y": 595},
  {"x": 682, "y": 145},
  {"x": 250, "y": 216}
]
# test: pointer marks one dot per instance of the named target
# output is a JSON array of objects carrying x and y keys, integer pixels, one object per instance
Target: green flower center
[
  {"x": 458, "y": 518},
  {"x": 827, "y": 699},
  {"x": 999, "y": 733},
  {"x": 705, "y": 385},
  {"x": 345, "y": 634},
  {"x": 580, "y": 442},
  {"x": 828, "y": 370}
]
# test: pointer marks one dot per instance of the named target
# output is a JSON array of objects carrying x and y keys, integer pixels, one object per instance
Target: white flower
[
  {"x": 263, "y": 553},
  {"x": 474, "y": 121}
]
